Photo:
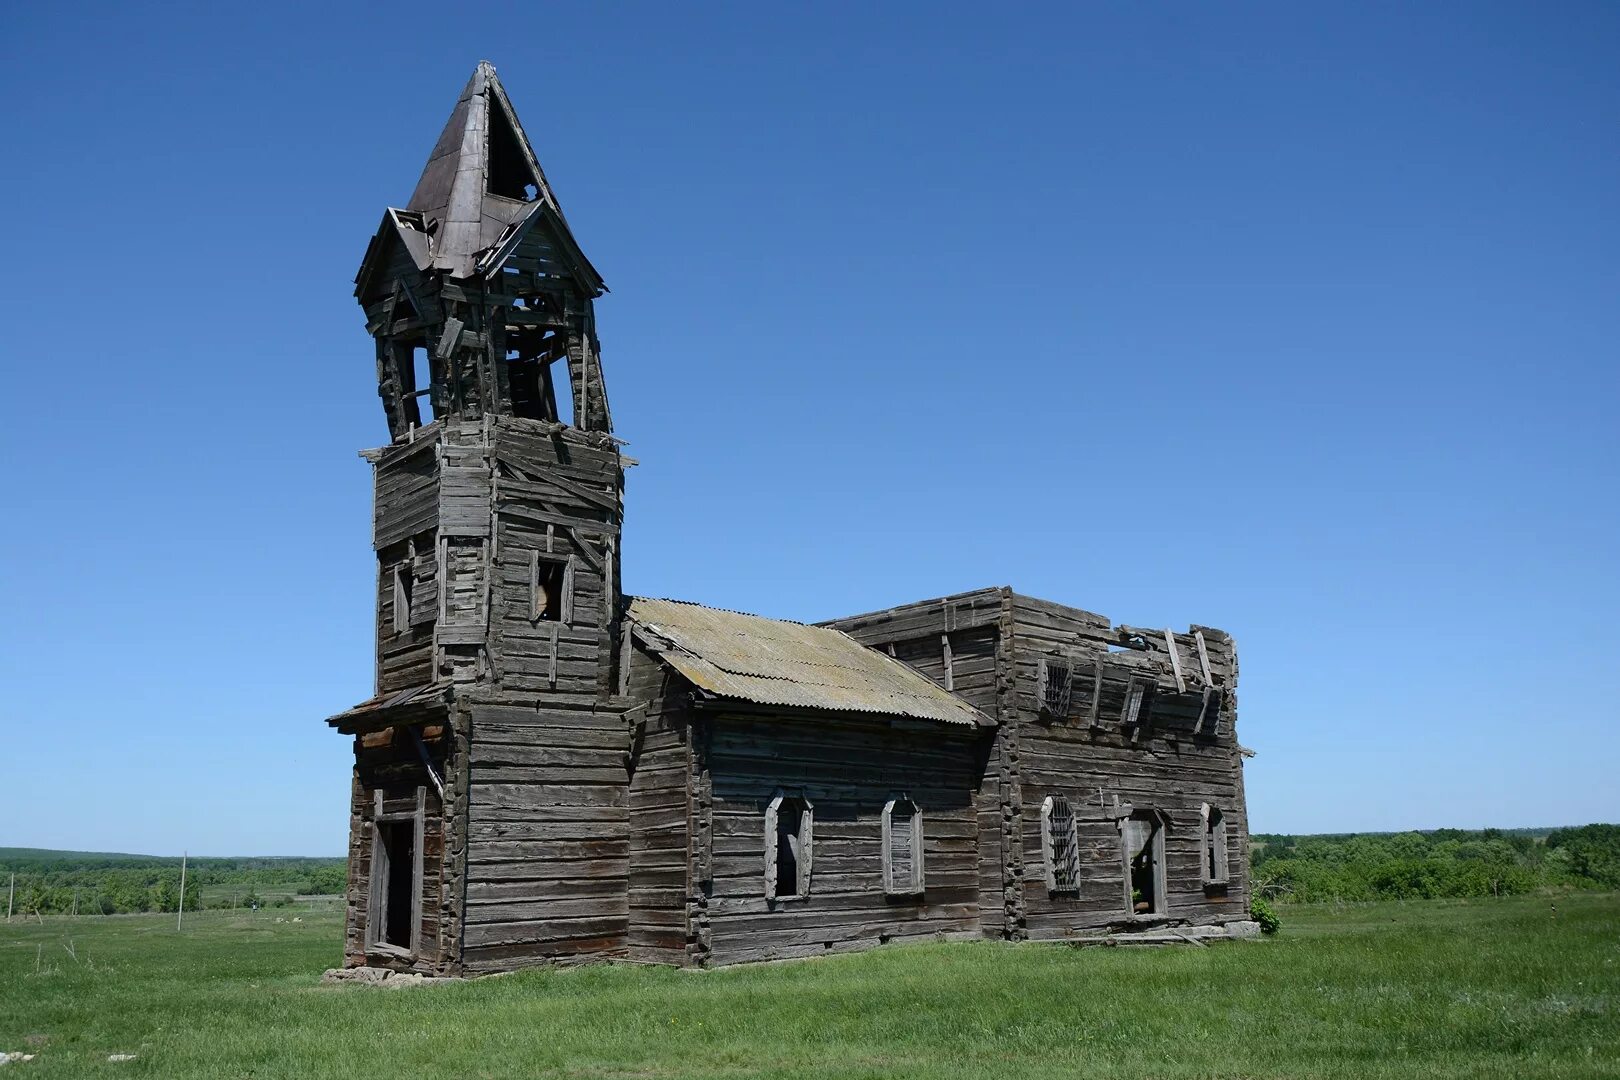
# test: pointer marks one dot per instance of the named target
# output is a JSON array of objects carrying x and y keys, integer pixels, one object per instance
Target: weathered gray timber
[
  {"x": 548, "y": 771},
  {"x": 1138, "y": 732}
]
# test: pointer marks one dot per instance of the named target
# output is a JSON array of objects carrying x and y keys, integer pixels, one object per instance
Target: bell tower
[
  {"x": 477, "y": 288},
  {"x": 497, "y": 505},
  {"x": 480, "y": 303}
]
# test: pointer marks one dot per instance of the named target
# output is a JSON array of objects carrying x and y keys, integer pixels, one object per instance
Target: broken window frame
[
  {"x": 1054, "y": 692},
  {"x": 1060, "y": 845},
  {"x": 377, "y": 903},
  {"x": 565, "y": 586},
  {"x": 907, "y": 880},
  {"x": 1213, "y": 840},
  {"x": 1137, "y": 706},
  {"x": 406, "y": 574},
  {"x": 805, "y": 835}
]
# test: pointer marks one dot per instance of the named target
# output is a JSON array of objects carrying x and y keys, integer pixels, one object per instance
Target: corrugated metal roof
[{"x": 774, "y": 662}]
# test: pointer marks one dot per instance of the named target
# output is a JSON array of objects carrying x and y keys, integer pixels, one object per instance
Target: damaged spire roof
[{"x": 483, "y": 185}]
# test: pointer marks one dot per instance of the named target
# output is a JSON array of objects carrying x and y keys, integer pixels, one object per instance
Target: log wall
[
  {"x": 972, "y": 624},
  {"x": 547, "y": 836},
  {"x": 848, "y": 769},
  {"x": 660, "y": 814},
  {"x": 1164, "y": 766}
]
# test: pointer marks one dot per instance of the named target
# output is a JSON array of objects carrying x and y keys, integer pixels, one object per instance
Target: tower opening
[
  {"x": 509, "y": 174},
  {"x": 422, "y": 383}
]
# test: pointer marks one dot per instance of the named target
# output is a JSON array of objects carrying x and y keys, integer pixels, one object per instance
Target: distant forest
[
  {"x": 1434, "y": 865},
  {"x": 1298, "y": 869},
  {"x": 91, "y": 883}
]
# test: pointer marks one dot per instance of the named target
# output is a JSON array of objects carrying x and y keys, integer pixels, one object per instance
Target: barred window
[
  {"x": 1061, "y": 845},
  {"x": 1057, "y": 683}
]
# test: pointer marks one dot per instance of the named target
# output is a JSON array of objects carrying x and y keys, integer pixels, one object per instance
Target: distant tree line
[
  {"x": 1445, "y": 863},
  {"x": 59, "y": 882},
  {"x": 1302, "y": 869}
]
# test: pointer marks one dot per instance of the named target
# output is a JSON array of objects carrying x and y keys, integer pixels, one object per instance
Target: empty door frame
[
  {"x": 1129, "y": 846},
  {"x": 377, "y": 902}
]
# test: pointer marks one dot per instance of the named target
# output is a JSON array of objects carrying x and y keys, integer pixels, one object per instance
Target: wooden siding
[
  {"x": 973, "y": 625},
  {"x": 407, "y": 494},
  {"x": 660, "y": 815},
  {"x": 547, "y": 836},
  {"x": 848, "y": 770},
  {"x": 1167, "y": 768},
  {"x": 405, "y": 656}
]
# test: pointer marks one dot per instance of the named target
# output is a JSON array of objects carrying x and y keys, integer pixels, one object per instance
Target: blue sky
[{"x": 1298, "y": 320}]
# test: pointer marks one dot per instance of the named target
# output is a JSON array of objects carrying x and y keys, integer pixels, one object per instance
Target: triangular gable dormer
[
  {"x": 400, "y": 246},
  {"x": 539, "y": 242}
]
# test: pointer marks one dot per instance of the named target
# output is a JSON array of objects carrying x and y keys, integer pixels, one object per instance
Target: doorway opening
[
  {"x": 1143, "y": 835},
  {"x": 396, "y": 850}
]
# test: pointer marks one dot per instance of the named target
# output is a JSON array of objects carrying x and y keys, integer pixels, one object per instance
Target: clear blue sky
[{"x": 1298, "y": 320}]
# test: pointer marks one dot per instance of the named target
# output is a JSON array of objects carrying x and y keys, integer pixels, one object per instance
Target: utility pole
[
  {"x": 75, "y": 902},
  {"x": 182, "y": 912},
  {"x": 11, "y": 895}
]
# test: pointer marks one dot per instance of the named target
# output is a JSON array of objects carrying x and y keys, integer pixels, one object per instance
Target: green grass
[{"x": 1497, "y": 988}]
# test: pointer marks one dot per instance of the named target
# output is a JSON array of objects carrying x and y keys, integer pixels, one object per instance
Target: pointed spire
[{"x": 481, "y": 177}]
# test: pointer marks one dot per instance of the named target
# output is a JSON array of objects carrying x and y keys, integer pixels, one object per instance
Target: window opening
[
  {"x": 1061, "y": 844},
  {"x": 1057, "y": 683},
  {"x": 1138, "y": 702},
  {"x": 788, "y": 831},
  {"x": 551, "y": 589},
  {"x": 562, "y": 389},
  {"x": 404, "y": 585},
  {"x": 422, "y": 383},
  {"x": 902, "y": 847}
]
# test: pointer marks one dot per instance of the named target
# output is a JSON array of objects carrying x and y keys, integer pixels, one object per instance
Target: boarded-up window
[
  {"x": 1060, "y": 844},
  {"x": 1056, "y": 687},
  {"x": 551, "y": 588},
  {"x": 789, "y": 829},
  {"x": 1214, "y": 846},
  {"x": 902, "y": 847}
]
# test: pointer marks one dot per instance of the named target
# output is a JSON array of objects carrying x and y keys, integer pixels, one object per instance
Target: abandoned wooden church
[{"x": 551, "y": 770}]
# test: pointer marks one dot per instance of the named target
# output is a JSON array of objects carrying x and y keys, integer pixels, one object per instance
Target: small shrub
[{"x": 1262, "y": 913}]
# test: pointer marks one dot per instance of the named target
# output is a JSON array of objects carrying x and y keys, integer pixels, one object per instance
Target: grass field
[{"x": 1499, "y": 988}]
